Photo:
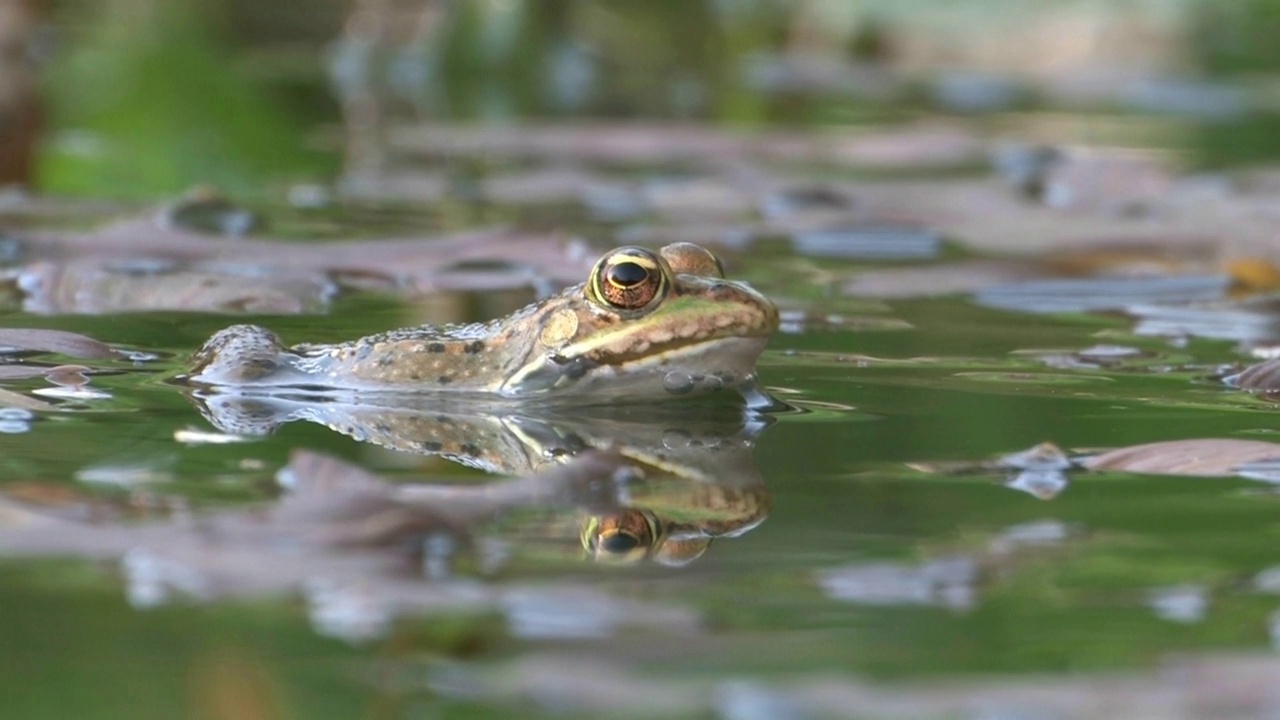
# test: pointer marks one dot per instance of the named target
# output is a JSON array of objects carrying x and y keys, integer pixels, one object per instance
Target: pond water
[
  {"x": 1004, "y": 473},
  {"x": 866, "y": 530}
]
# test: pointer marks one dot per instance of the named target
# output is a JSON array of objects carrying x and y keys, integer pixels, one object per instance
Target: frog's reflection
[{"x": 698, "y": 480}]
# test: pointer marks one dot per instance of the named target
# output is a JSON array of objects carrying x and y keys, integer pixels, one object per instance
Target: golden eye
[{"x": 629, "y": 279}]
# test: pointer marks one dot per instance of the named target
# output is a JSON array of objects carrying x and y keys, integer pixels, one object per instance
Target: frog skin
[
  {"x": 643, "y": 326},
  {"x": 700, "y": 479}
]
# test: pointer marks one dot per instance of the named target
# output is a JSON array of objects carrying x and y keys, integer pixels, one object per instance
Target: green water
[
  {"x": 888, "y": 552},
  {"x": 842, "y": 494}
]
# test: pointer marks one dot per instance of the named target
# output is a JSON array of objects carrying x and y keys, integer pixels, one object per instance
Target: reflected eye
[
  {"x": 628, "y": 279},
  {"x": 619, "y": 543},
  {"x": 626, "y": 536}
]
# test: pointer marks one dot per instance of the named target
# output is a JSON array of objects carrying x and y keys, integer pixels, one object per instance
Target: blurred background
[{"x": 145, "y": 97}]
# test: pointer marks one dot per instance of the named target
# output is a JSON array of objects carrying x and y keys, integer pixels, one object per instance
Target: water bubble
[
  {"x": 677, "y": 382},
  {"x": 676, "y": 439}
]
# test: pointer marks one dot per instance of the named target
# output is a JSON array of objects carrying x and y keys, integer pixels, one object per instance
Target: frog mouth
[
  {"x": 677, "y": 367},
  {"x": 671, "y": 347}
]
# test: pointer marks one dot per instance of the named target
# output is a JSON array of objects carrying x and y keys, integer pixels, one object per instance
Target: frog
[{"x": 643, "y": 325}]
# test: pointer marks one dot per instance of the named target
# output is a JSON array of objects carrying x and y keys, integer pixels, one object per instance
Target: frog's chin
[{"x": 684, "y": 370}]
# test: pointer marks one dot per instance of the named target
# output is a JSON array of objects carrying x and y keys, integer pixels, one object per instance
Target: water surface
[{"x": 886, "y": 548}]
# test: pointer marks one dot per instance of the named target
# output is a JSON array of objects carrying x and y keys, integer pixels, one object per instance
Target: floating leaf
[
  {"x": 416, "y": 263},
  {"x": 1263, "y": 376},
  {"x": 1206, "y": 457},
  {"x": 1081, "y": 295},
  {"x": 56, "y": 341},
  {"x": 22, "y": 372}
]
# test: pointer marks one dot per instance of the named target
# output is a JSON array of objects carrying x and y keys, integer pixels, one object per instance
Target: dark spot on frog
[
  {"x": 432, "y": 446},
  {"x": 469, "y": 449},
  {"x": 383, "y": 361},
  {"x": 444, "y": 379},
  {"x": 444, "y": 420},
  {"x": 435, "y": 347},
  {"x": 474, "y": 347},
  {"x": 575, "y": 368}
]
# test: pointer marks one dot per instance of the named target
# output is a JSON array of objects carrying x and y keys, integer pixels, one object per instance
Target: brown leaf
[
  {"x": 420, "y": 263},
  {"x": 1205, "y": 457},
  {"x": 56, "y": 341},
  {"x": 961, "y": 277},
  {"x": 923, "y": 145},
  {"x": 1263, "y": 376},
  {"x": 8, "y": 398},
  {"x": 101, "y": 286},
  {"x": 22, "y": 372},
  {"x": 68, "y": 375}
]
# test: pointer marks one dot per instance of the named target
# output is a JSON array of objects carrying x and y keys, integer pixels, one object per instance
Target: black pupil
[
  {"x": 620, "y": 543},
  {"x": 628, "y": 274}
]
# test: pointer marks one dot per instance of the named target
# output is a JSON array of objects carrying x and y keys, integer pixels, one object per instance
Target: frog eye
[{"x": 628, "y": 279}]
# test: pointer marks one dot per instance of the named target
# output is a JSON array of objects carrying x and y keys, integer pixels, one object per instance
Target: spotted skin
[{"x": 609, "y": 337}]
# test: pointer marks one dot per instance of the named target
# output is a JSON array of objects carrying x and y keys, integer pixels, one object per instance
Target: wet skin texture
[{"x": 644, "y": 325}]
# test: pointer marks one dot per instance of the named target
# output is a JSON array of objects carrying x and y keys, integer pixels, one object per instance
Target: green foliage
[
  {"x": 147, "y": 102},
  {"x": 1237, "y": 36}
]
